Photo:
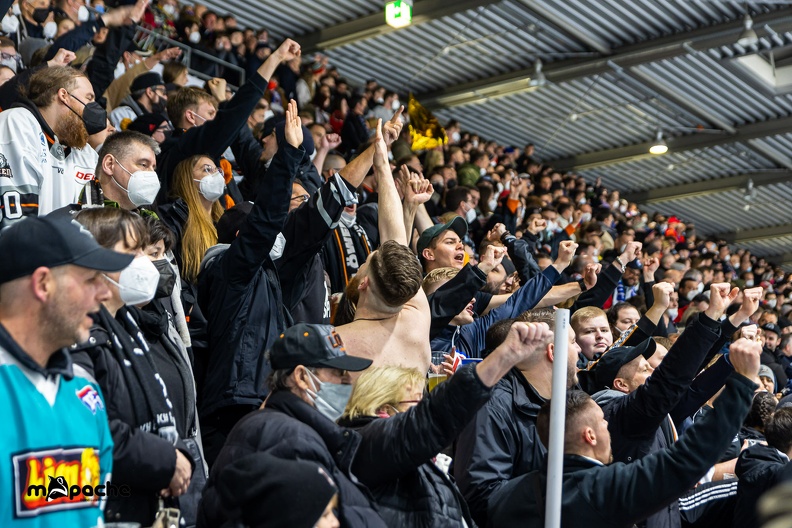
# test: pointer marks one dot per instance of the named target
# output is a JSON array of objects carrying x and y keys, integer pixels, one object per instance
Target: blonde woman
[
  {"x": 198, "y": 185},
  {"x": 411, "y": 490}
]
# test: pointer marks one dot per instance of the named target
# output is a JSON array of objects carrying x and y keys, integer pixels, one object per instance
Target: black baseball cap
[
  {"x": 51, "y": 242},
  {"x": 458, "y": 225},
  {"x": 772, "y": 327},
  {"x": 602, "y": 372},
  {"x": 313, "y": 345},
  {"x": 146, "y": 80}
]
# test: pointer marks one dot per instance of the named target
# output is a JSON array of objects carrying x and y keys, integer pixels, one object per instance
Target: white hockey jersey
[{"x": 38, "y": 174}]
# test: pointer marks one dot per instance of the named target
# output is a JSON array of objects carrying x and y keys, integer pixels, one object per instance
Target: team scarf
[
  {"x": 344, "y": 239},
  {"x": 151, "y": 407}
]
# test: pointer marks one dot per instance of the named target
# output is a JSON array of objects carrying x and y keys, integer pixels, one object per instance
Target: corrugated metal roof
[
  {"x": 559, "y": 118},
  {"x": 679, "y": 168},
  {"x": 295, "y": 17},
  {"x": 469, "y": 45},
  {"x": 774, "y": 246},
  {"x": 725, "y": 212},
  {"x": 621, "y": 23},
  {"x": 703, "y": 79}
]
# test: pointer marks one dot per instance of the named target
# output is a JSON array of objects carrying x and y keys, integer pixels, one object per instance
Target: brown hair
[
  {"x": 396, "y": 273},
  {"x": 110, "y": 225},
  {"x": 44, "y": 84},
  {"x": 577, "y": 402},
  {"x": 171, "y": 71},
  {"x": 187, "y": 98}
]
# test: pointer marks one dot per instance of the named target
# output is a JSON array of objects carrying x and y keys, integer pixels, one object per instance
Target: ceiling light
[
  {"x": 748, "y": 37},
  {"x": 538, "y": 78},
  {"x": 659, "y": 146}
]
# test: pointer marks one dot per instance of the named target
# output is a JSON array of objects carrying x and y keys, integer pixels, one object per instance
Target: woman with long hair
[{"x": 198, "y": 186}]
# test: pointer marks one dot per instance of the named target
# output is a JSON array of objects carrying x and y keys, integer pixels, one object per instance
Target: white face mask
[
  {"x": 195, "y": 37},
  {"x": 10, "y": 24},
  {"x": 330, "y": 399},
  {"x": 483, "y": 171},
  {"x": 772, "y": 303},
  {"x": 672, "y": 313},
  {"x": 585, "y": 217},
  {"x": 700, "y": 287},
  {"x": 138, "y": 282},
  {"x": 692, "y": 293},
  {"x": 142, "y": 188},
  {"x": 50, "y": 28},
  {"x": 16, "y": 9},
  {"x": 169, "y": 9},
  {"x": 455, "y": 137},
  {"x": 749, "y": 283},
  {"x": 212, "y": 187},
  {"x": 493, "y": 204},
  {"x": 83, "y": 14},
  {"x": 277, "y": 248},
  {"x": 470, "y": 216},
  {"x": 395, "y": 105}
]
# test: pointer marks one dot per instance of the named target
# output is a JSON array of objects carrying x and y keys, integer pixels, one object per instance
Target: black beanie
[{"x": 264, "y": 491}]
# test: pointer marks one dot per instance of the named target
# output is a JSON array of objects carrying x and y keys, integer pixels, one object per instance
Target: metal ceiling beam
[
  {"x": 675, "y": 144},
  {"x": 374, "y": 25},
  {"x": 707, "y": 187},
  {"x": 626, "y": 57},
  {"x": 759, "y": 233},
  {"x": 781, "y": 260},
  {"x": 569, "y": 27}
]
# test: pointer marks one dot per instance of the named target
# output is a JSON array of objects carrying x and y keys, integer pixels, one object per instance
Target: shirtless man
[{"x": 391, "y": 325}]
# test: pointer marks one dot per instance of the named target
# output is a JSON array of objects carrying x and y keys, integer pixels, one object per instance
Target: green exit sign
[{"x": 398, "y": 13}]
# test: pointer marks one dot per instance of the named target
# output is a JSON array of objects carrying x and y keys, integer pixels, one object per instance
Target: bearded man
[{"x": 44, "y": 140}]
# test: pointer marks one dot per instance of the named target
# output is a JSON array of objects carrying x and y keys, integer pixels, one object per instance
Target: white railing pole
[{"x": 555, "y": 462}]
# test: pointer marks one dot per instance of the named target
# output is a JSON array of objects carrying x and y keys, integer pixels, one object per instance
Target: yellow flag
[{"x": 425, "y": 129}]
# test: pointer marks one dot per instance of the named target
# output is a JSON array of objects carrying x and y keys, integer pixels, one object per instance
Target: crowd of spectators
[{"x": 249, "y": 302}]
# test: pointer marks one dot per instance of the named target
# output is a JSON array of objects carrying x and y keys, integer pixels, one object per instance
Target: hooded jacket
[{"x": 239, "y": 293}]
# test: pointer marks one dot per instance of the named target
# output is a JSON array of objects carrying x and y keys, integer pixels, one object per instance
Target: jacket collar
[
  {"x": 342, "y": 443},
  {"x": 59, "y": 363},
  {"x": 526, "y": 400},
  {"x": 574, "y": 463}
]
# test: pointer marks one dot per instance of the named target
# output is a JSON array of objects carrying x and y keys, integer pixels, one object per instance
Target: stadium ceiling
[{"x": 616, "y": 73}]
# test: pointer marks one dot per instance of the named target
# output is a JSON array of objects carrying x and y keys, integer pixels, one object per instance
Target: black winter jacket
[
  {"x": 758, "y": 469},
  {"x": 240, "y": 295},
  {"x": 394, "y": 459},
  {"x": 141, "y": 460},
  {"x": 453, "y": 296},
  {"x": 291, "y": 429},
  {"x": 501, "y": 443},
  {"x": 620, "y": 495},
  {"x": 639, "y": 423}
]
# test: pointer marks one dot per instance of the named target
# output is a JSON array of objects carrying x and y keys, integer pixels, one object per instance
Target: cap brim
[
  {"x": 458, "y": 225},
  {"x": 647, "y": 348},
  {"x": 350, "y": 363},
  {"x": 102, "y": 259}
]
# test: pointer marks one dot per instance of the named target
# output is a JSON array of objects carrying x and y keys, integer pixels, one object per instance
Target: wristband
[
  {"x": 582, "y": 285},
  {"x": 623, "y": 266}
]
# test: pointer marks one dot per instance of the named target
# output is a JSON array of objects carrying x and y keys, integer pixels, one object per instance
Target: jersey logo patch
[
  {"x": 5, "y": 168},
  {"x": 90, "y": 399},
  {"x": 55, "y": 480}
]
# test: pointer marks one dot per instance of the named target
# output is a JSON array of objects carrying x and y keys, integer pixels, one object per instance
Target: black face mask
[
  {"x": 94, "y": 116},
  {"x": 40, "y": 15},
  {"x": 160, "y": 107},
  {"x": 167, "y": 278},
  {"x": 438, "y": 187}
]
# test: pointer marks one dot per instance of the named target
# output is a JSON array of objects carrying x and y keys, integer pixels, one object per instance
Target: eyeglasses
[
  {"x": 6, "y": 56},
  {"x": 210, "y": 169},
  {"x": 302, "y": 198}
]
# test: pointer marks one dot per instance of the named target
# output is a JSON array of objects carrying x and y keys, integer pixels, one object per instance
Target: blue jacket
[{"x": 469, "y": 339}]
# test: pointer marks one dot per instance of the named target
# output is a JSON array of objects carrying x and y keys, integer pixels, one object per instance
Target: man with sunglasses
[{"x": 147, "y": 95}]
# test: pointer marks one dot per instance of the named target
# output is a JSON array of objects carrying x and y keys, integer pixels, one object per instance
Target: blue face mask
[{"x": 330, "y": 399}]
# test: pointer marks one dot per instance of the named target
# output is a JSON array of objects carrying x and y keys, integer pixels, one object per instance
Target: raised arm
[
  {"x": 391, "y": 219},
  {"x": 357, "y": 169},
  {"x": 257, "y": 235}
]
